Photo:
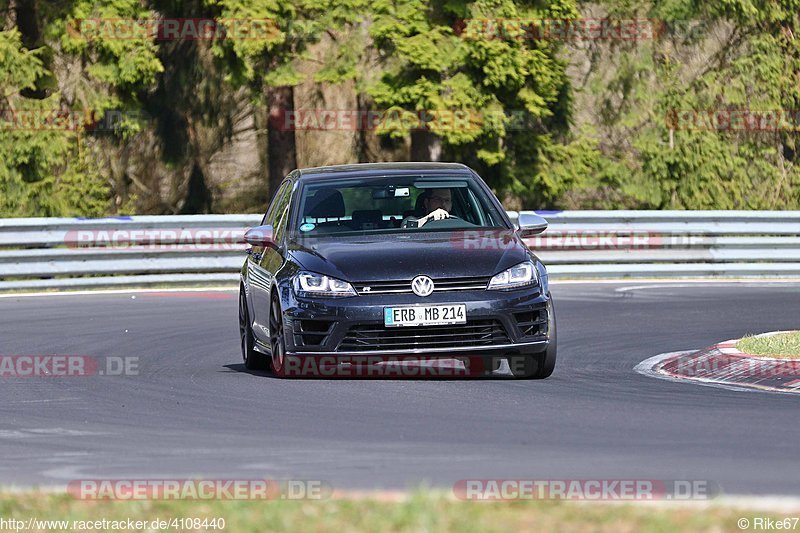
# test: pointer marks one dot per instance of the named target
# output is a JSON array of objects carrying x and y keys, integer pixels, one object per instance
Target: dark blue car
[{"x": 391, "y": 261}]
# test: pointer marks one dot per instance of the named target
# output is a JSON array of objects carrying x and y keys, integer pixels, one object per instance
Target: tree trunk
[
  {"x": 9, "y": 15},
  {"x": 282, "y": 146},
  {"x": 198, "y": 197},
  {"x": 362, "y": 140},
  {"x": 27, "y": 18},
  {"x": 425, "y": 146},
  {"x": 28, "y": 23}
]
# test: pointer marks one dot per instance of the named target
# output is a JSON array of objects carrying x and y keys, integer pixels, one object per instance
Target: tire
[
  {"x": 547, "y": 360},
  {"x": 277, "y": 341},
  {"x": 252, "y": 359},
  {"x": 541, "y": 365},
  {"x": 488, "y": 365},
  {"x": 523, "y": 366}
]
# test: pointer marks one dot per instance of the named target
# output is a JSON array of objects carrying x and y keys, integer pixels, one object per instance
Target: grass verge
[
  {"x": 782, "y": 346},
  {"x": 422, "y": 511}
]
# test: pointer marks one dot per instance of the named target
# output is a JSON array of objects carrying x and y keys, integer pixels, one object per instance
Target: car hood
[{"x": 401, "y": 257}]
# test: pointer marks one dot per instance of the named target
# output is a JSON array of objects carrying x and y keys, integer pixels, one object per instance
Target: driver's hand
[{"x": 439, "y": 214}]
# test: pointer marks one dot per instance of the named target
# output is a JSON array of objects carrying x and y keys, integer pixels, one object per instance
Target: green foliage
[
  {"x": 780, "y": 346},
  {"x": 538, "y": 125},
  {"x": 50, "y": 167},
  {"x": 752, "y": 64},
  {"x": 286, "y": 28},
  {"x": 493, "y": 79},
  {"x": 120, "y": 59},
  {"x": 41, "y": 173},
  {"x": 21, "y": 68}
]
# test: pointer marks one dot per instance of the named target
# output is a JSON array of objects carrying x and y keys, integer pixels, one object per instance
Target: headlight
[
  {"x": 311, "y": 284},
  {"x": 520, "y": 275}
]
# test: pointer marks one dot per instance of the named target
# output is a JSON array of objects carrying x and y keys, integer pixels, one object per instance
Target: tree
[
  {"x": 264, "y": 61},
  {"x": 41, "y": 172},
  {"x": 489, "y": 93},
  {"x": 681, "y": 115}
]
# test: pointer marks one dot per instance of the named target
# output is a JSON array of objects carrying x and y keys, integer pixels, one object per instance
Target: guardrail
[{"x": 46, "y": 253}]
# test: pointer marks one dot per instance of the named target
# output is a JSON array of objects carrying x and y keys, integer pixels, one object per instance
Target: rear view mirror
[
  {"x": 262, "y": 236},
  {"x": 390, "y": 192},
  {"x": 530, "y": 224}
]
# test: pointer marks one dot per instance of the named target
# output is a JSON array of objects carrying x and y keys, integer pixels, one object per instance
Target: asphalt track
[{"x": 193, "y": 411}]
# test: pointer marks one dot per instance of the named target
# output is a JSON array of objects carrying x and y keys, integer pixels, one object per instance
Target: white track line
[
  {"x": 656, "y": 284},
  {"x": 117, "y": 291},
  {"x": 674, "y": 281}
]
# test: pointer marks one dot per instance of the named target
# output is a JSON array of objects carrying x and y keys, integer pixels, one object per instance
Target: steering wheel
[
  {"x": 451, "y": 217},
  {"x": 405, "y": 224}
]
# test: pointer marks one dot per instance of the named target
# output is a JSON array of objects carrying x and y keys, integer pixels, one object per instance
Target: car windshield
[{"x": 389, "y": 204}]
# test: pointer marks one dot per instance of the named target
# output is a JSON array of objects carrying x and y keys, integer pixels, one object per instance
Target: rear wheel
[{"x": 252, "y": 359}]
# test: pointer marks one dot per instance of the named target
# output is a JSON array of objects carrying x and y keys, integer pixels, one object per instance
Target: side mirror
[
  {"x": 262, "y": 236},
  {"x": 530, "y": 224}
]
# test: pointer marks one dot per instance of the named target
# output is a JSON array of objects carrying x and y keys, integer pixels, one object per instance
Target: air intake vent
[{"x": 474, "y": 333}]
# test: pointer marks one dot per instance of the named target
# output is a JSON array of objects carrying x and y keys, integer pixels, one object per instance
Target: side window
[
  {"x": 281, "y": 214},
  {"x": 269, "y": 217},
  {"x": 472, "y": 211}
]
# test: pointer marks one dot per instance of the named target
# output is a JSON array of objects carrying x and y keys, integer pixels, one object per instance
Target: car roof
[{"x": 380, "y": 169}]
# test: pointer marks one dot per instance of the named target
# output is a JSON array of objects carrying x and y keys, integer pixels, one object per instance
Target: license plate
[{"x": 425, "y": 315}]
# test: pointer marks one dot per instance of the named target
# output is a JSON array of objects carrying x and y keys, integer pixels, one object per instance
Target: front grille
[
  {"x": 311, "y": 332},
  {"x": 404, "y": 286},
  {"x": 532, "y": 323},
  {"x": 473, "y": 333}
]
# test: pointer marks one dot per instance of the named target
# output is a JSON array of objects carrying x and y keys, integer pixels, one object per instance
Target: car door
[{"x": 264, "y": 262}]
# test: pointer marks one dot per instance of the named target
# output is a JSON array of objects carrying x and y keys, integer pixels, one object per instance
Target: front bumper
[{"x": 498, "y": 323}]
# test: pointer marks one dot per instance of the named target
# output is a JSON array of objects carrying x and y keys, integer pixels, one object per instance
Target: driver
[{"x": 437, "y": 203}]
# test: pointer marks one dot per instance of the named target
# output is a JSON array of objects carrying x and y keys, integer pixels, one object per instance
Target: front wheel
[
  {"x": 538, "y": 366},
  {"x": 541, "y": 365},
  {"x": 276, "y": 338}
]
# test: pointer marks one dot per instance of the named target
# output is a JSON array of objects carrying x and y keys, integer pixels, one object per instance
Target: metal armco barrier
[{"x": 48, "y": 253}]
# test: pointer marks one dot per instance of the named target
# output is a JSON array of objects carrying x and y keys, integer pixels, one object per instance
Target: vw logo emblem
[{"x": 422, "y": 285}]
